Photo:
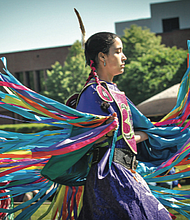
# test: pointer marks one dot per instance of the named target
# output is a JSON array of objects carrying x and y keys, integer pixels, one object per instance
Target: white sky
[{"x": 34, "y": 24}]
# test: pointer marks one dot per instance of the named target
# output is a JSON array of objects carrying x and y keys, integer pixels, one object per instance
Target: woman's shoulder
[
  {"x": 89, "y": 87},
  {"x": 89, "y": 100},
  {"x": 88, "y": 93}
]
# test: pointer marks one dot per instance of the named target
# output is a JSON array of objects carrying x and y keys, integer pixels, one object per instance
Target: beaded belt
[{"x": 122, "y": 156}]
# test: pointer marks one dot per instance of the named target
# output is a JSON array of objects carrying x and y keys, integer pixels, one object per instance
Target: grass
[
  {"x": 45, "y": 206},
  {"x": 177, "y": 214}
]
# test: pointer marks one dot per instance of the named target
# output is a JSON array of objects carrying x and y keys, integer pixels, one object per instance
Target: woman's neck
[{"x": 105, "y": 77}]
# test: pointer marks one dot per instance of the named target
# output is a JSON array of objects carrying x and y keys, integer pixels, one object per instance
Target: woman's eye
[{"x": 119, "y": 50}]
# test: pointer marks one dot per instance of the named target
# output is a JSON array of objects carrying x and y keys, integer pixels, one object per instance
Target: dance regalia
[
  {"x": 61, "y": 159},
  {"x": 119, "y": 193}
]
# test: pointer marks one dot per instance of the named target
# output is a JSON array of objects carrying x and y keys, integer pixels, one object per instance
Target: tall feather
[{"x": 81, "y": 27}]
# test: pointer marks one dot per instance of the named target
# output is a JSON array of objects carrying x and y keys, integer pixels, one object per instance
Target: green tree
[
  {"x": 63, "y": 81},
  {"x": 150, "y": 67}
]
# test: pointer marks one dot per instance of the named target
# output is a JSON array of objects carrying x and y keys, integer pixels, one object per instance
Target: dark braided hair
[{"x": 99, "y": 42}]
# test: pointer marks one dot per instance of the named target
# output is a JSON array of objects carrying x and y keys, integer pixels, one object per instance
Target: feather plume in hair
[{"x": 81, "y": 27}]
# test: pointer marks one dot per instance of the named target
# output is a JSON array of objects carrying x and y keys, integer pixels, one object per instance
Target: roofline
[{"x": 46, "y": 48}]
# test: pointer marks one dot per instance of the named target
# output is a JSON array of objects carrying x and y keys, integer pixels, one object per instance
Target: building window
[
  {"x": 29, "y": 79},
  {"x": 19, "y": 76},
  {"x": 170, "y": 24},
  {"x": 34, "y": 80}
]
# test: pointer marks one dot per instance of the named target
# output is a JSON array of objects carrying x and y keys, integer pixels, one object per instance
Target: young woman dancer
[{"x": 117, "y": 192}]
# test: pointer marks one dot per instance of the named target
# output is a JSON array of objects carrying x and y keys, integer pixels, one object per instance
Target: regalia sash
[{"x": 108, "y": 95}]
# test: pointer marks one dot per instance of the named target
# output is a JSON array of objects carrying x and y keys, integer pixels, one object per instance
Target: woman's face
[{"x": 115, "y": 59}]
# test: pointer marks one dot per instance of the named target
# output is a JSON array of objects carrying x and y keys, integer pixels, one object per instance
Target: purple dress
[{"x": 121, "y": 194}]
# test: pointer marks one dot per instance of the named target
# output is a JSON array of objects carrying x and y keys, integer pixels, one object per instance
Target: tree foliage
[
  {"x": 151, "y": 67},
  {"x": 63, "y": 81}
]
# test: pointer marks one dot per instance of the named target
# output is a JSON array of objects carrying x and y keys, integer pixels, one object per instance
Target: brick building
[
  {"x": 30, "y": 68},
  {"x": 168, "y": 19}
]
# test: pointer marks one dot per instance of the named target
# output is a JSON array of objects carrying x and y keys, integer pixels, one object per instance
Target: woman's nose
[{"x": 124, "y": 57}]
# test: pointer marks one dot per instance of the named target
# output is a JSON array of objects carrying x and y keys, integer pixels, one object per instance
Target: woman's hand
[
  {"x": 112, "y": 118},
  {"x": 140, "y": 136},
  {"x": 110, "y": 133}
]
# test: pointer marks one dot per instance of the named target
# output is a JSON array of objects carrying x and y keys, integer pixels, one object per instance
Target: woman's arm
[
  {"x": 140, "y": 136},
  {"x": 110, "y": 133}
]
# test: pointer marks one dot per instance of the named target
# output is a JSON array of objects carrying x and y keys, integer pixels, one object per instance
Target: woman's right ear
[{"x": 101, "y": 57}]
